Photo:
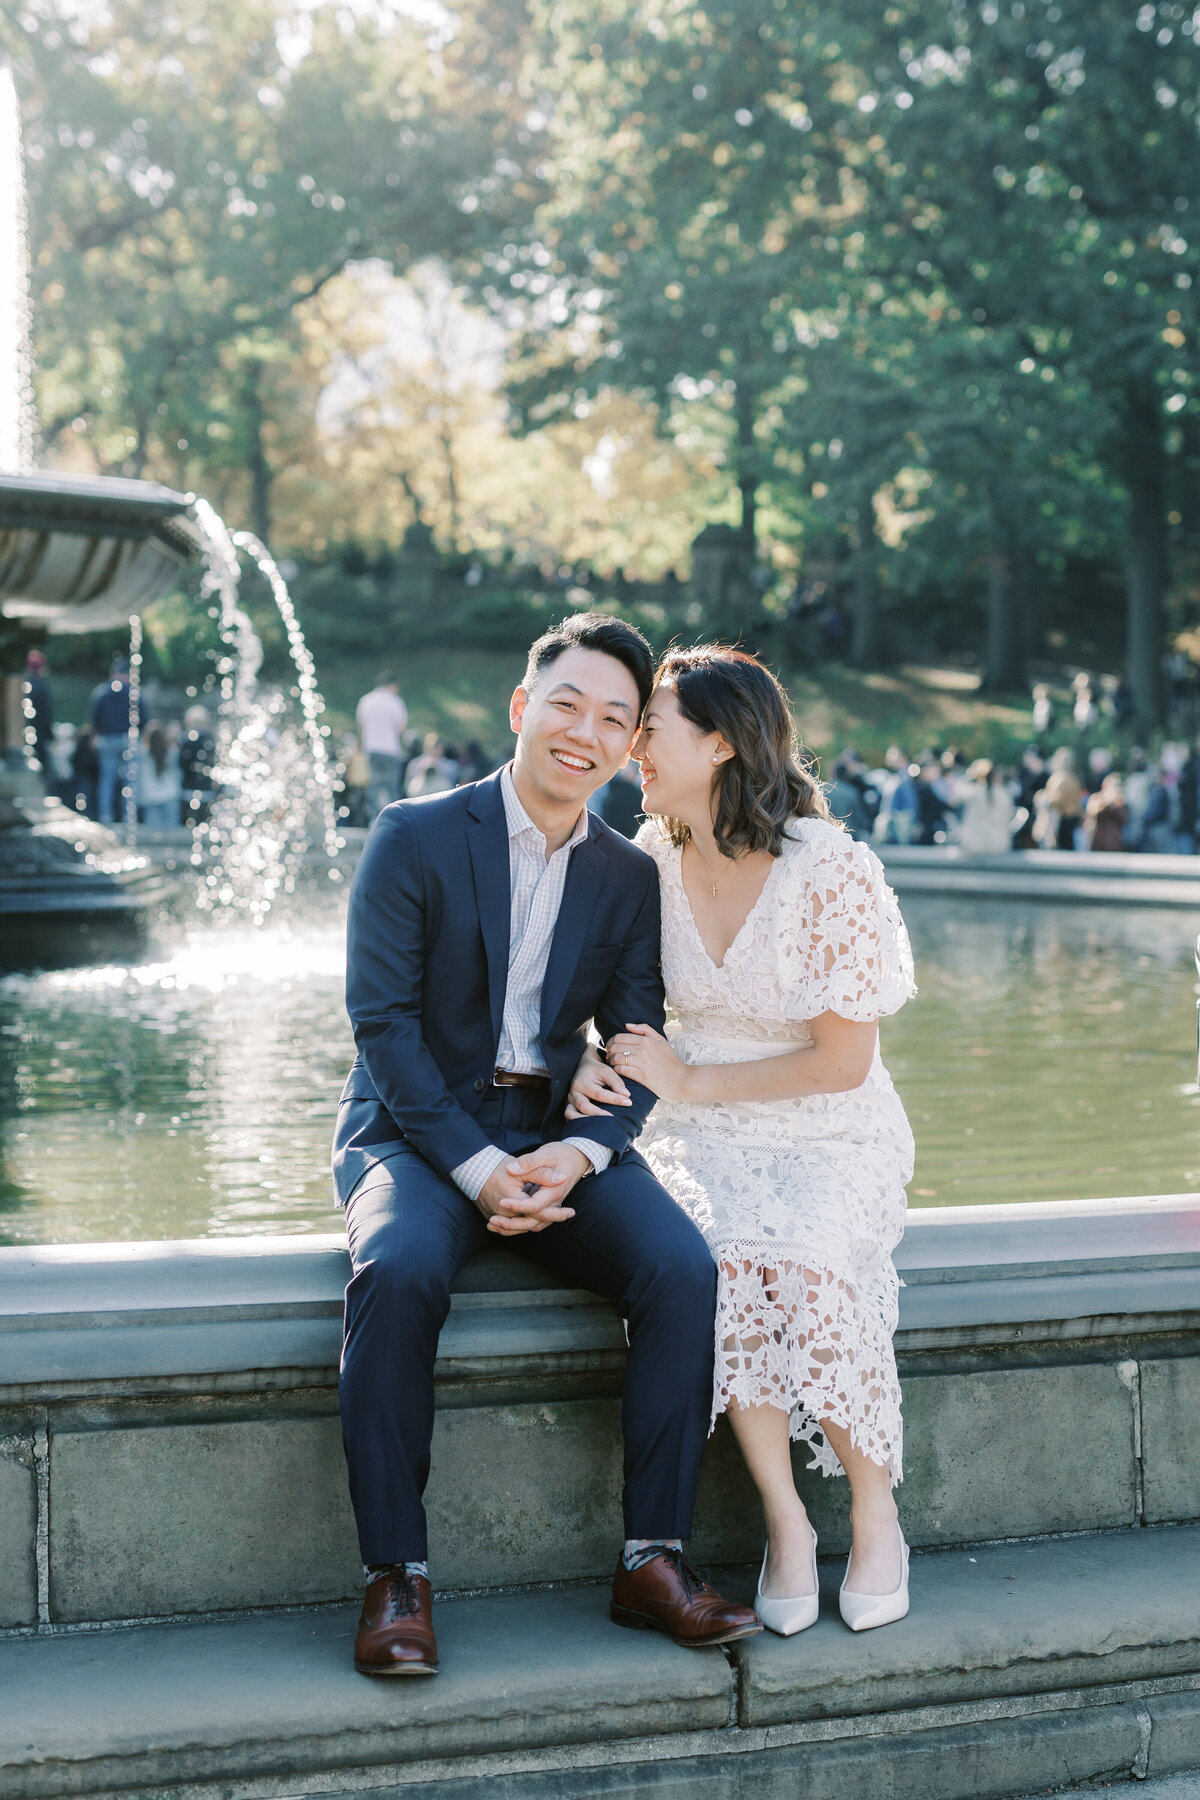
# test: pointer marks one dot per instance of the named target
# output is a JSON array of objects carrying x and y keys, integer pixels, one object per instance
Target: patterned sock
[
  {"x": 372, "y": 1571},
  {"x": 643, "y": 1550}
]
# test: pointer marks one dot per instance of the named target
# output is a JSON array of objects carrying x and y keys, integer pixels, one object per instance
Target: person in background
[
  {"x": 356, "y": 782},
  {"x": 988, "y": 813},
  {"x": 197, "y": 760},
  {"x": 109, "y": 713},
  {"x": 1099, "y": 764},
  {"x": 1059, "y": 805},
  {"x": 1085, "y": 714},
  {"x": 85, "y": 774},
  {"x": 159, "y": 783},
  {"x": 933, "y": 812},
  {"x": 621, "y": 800},
  {"x": 1158, "y": 836},
  {"x": 896, "y": 819},
  {"x": 410, "y": 749},
  {"x": 1189, "y": 801},
  {"x": 39, "y": 713},
  {"x": 433, "y": 772},
  {"x": 845, "y": 800},
  {"x": 474, "y": 763},
  {"x": 1139, "y": 779},
  {"x": 1030, "y": 780},
  {"x": 382, "y": 717},
  {"x": 952, "y": 777},
  {"x": 1106, "y": 814},
  {"x": 60, "y": 751},
  {"x": 1043, "y": 710}
]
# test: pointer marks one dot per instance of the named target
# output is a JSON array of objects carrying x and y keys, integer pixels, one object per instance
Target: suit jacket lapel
[
  {"x": 487, "y": 841},
  {"x": 585, "y": 874}
]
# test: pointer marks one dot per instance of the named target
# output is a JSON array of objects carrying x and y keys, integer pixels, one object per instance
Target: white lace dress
[{"x": 800, "y": 1201}]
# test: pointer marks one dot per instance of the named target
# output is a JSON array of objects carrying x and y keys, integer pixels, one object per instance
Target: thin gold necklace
[{"x": 712, "y": 884}]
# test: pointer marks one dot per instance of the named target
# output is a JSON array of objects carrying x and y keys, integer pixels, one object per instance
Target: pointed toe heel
[
  {"x": 787, "y": 1617},
  {"x": 863, "y": 1612}
]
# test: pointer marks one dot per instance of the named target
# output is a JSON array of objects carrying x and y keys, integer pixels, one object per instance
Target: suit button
[{"x": 480, "y": 1084}]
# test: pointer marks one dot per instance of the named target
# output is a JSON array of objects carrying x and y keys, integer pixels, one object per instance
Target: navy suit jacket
[{"x": 427, "y": 968}]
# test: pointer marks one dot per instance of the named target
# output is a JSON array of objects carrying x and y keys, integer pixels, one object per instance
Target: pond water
[{"x": 1050, "y": 1055}]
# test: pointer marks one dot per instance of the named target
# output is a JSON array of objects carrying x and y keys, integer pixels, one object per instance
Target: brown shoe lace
[
  {"x": 402, "y": 1595},
  {"x": 693, "y": 1582}
]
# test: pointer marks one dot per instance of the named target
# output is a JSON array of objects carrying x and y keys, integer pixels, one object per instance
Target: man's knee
[
  {"x": 680, "y": 1270},
  {"x": 397, "y": 1270},
  {"x": 398, "y": 1267}
]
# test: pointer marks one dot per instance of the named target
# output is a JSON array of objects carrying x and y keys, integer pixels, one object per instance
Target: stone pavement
[
  {"x": 1168, "y": 1787},
  {"x": 1020, "y": 1666}
]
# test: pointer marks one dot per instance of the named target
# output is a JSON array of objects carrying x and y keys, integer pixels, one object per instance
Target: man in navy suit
[{"x": 487, "y": 927}]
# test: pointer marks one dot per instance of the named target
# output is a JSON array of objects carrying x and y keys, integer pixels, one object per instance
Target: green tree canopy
[{"x": 199, "y": 172}]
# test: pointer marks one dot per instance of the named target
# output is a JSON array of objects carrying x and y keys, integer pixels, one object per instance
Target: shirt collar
[{"x": 519, "y": 821}]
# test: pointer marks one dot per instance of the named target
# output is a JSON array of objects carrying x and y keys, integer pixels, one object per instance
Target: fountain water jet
[
  {"x": 271, "y": 780},
  {"x": 16, "y": 362}
]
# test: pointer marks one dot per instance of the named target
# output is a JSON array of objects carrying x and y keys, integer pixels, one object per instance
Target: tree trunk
[
  {"x": 452, "y": 505},
  {"x": 260, "y": 469},
  {"x": 1030, "y": 604},
  {"x": 1146, "y": 571},
  {"x": 747, "y": 473},
  {"x": 864, "y": 647},
  {"x": 1005, "y": 662}
]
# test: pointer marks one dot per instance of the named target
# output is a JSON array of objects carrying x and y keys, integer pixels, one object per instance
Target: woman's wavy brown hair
[{"x": 765, "y": 782}]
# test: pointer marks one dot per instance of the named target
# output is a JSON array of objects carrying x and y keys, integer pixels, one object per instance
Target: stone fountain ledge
[
  {"x": 1100, "y": 878},
  {"x": 157, "y": 1399},
  {"x": 170, "y": 1463},
  {"x": 92, "y": 1320},
  {"x": 1095, "y": 878}
]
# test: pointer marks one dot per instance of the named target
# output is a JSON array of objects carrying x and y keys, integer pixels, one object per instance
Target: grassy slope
[{"x": 464, "y": 693}]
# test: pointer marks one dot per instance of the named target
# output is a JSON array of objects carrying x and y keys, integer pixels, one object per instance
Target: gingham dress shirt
[{"x": 537, "y": 882}]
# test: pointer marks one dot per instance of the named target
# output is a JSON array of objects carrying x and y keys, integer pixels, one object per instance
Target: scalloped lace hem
[{"x": 801, "y": 1337}]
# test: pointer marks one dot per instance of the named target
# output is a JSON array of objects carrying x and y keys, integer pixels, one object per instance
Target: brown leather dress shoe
[
  {"x": 668, "y": 1594},
  {"x": 395, "y": 1632}
]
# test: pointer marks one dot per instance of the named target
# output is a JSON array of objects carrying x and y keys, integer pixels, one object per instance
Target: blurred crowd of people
[
  {"x": 386, "y": 761},
  {"x": 163, "y": 775},
  {"x": 1077, "y": 797},
  {"x": 1063, "y": 799}
]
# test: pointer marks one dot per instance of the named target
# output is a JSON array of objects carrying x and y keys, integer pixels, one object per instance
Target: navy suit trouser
[{"x": 411, "y": 1230}]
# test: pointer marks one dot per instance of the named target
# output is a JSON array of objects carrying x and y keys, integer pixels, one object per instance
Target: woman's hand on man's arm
[
  {"x": 837, "y": 1061},
  {"x": 595, "y": 1088}
]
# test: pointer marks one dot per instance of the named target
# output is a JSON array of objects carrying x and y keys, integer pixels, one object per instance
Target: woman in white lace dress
[{"x": 778, "y": 1129}]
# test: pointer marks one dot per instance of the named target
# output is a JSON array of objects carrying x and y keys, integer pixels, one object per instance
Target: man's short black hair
[
  {"x": 595, "y": 631},
  {"x": 386, "y": 678}
]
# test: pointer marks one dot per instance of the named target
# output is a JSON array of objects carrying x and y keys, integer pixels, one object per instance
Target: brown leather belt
[{"x": 509, "y": 1078}]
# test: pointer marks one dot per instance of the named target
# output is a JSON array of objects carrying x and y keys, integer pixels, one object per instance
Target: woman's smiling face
[{"x": 678, "y": 762}]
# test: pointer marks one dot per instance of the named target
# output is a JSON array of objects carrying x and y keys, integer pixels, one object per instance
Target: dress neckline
[{"x": 740, "y": 933}]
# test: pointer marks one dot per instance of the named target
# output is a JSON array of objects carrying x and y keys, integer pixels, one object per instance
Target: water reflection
[
  {"x": 1050, "y": 1055},
  {"x": 189, "y": 1096},
  {"x": 1051, "y": 1052}
]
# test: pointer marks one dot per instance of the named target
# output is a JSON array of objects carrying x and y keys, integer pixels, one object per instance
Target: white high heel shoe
[
  {"x": 862, "y": 1612},
  {"x": 787, "y": 1617}
]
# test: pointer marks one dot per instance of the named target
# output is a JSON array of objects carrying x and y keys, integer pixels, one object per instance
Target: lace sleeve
[
  {"x": 857, "y": 960},
  {"x": 650, "y": 837}
]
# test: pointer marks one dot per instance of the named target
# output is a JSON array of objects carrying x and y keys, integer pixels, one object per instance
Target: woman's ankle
[
  {"x": 787, "y": 1521},
  {"x": 875, "y": 1514}
]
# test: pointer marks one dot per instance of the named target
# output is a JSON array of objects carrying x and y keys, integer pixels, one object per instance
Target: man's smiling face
[{"x": 575, "y": 727}]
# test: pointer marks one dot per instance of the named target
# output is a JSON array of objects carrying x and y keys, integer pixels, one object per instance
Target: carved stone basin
[{"x": 84, "y": 552}]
